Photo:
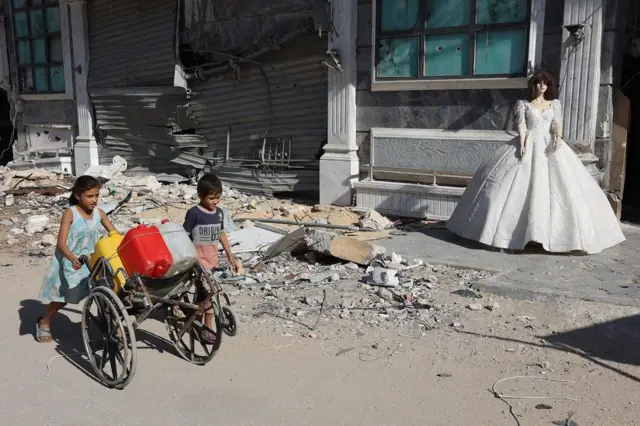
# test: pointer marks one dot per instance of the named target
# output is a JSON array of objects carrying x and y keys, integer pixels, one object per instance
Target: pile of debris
[
  {"x": 337, "y": 272},
  {"x": 390, "y": 293},
  {"x": 33, "y": 202},
  {"x": 29, "y": 200},
  {"x": 300, "y": 260}
]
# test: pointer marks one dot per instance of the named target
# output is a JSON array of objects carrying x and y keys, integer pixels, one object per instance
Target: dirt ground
[{"x": 344, "y": 372}]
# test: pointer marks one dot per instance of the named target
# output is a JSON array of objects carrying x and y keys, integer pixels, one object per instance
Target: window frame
[
  {"x": 532, "y": 58},
  {"x": 66, "y": 52}
]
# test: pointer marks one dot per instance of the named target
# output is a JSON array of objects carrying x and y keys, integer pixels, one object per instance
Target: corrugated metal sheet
[
  {"x": 580, "y": 71},
  {"x": 132, "y": 42},
  {"x": 146, "y": 126},
  {"x": 286, "y": 96},
  {"x": 256, "y": 180}
]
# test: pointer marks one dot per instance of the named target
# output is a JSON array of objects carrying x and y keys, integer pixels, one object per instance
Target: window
[
  {"x": 38, "y": 40},
  {"x": 427, "y": 40}
]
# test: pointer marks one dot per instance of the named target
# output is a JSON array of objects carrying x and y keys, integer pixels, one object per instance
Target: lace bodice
[{"x": 528, "y": 119}]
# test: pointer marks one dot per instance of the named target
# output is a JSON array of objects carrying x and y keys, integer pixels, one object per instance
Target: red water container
[{"x": 143, "y": 251}]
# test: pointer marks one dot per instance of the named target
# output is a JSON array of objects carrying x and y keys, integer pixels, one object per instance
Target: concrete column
[
  {"x": 579, "y": 77},
  {"x": 339, "y": 166},
  {"x": 5, "y": 71},
  {"x": 85, "y": 147}
]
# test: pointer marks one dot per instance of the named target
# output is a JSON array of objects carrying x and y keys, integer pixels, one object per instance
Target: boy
[{"x": 205, "y": 225}]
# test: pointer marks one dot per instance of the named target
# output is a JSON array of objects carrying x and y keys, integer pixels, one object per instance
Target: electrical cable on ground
[
  {"x": 63, "y": 355},
  {"x": 505, "y": 398}
]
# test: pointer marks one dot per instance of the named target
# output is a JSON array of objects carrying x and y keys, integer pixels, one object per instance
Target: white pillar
[
  {"x": 85, "y": 147},
  {"x": 580, "y": 71},
  {"x": 339, "y": 166}
]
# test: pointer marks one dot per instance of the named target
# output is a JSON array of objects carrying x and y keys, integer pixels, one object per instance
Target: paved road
[
  {"x": 271, "y": 375},
  {"x": 611, "y": 276}
]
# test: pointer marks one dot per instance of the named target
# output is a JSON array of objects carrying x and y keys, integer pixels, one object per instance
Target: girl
[{"x": 66, "y": 279}]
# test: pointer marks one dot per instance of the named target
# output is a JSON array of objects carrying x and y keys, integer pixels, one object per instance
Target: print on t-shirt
[{"x": 204, "y": 226}]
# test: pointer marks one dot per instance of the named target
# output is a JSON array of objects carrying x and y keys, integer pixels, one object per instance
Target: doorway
[
  {"x": 630, "y": 87},
  {"x": 6, "y": 130}
]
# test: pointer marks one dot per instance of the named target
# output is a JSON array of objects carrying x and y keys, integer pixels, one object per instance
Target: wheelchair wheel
[
  {"x": 191, "y": 345},
  {"x": 229, "y": 321},
  {"x": 109, "y": 338}
]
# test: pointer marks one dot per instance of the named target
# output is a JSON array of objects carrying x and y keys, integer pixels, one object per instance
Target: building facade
[
  {"x": 388, "y": 104},
  {"x": 436, "y": 84}
]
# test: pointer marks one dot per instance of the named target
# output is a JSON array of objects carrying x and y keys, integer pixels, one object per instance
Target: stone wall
[
  {"x": 452, "y": 110},
  {"x": 475, "y": 109}
]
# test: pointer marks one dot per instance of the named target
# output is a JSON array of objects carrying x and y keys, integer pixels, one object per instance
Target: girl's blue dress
[{"x": 61, "y": 282}]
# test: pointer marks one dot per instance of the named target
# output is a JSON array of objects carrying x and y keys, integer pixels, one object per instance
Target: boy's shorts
[{"x": 208, "y": 256}]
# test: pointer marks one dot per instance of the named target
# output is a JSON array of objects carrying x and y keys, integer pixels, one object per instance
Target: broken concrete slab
[
  {"x": 341, "y": 247},
  {"x": 275, "y": 229},
  {"x": 116, "y": 168},
  {"x": 250, "y": 240},
  {"x": 374, "y": 221},
  {"x": 171, "y": 178},
  {"x": 292, "y": 242}
]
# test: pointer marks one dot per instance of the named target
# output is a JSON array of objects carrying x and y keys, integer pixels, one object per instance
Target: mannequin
[{"x": 535, "y": 188}]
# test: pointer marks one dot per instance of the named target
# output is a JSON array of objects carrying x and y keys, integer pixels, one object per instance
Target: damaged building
[
  {"x": 387, "y": 104},
  {"x": 172, "y": 87}
]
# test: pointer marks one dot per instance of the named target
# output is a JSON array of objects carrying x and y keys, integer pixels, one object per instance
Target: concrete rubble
[
  {"x": 374, "y": 221},
  {"x": 308, "y": 260}
]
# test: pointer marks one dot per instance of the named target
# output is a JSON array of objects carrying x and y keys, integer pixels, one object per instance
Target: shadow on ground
[
  {"x": 617, "y": 341},
  {"x": 67, "y": 335}
]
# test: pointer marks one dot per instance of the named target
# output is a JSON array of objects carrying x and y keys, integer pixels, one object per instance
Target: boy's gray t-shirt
[{"x": 204, "y": 226}]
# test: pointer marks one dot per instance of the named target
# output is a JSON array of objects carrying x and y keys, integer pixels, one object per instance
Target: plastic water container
[
  {"x": 143, "y": 251},
  {"x": 182, "y": 249},
  {"x": 107, "y": 247}
]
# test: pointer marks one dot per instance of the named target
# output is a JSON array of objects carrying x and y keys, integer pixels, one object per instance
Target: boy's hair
[{"x": 209, "y": 184}]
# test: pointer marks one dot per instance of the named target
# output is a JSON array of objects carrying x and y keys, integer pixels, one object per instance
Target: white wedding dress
[{"x": 547, "y": 197}]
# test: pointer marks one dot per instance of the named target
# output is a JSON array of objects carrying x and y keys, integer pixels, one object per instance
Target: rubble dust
[{"x": 322, "y": 276}]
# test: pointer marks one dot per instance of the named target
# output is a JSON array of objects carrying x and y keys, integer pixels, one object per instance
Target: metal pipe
[
  {"x": 226, "y": 157},
  {"x": 174, "y": 302},
  {"x": 145, "y": 314},
  {"x": 272, "y": 228},
  {"x": 307, "y": 224},
  {"x": 371, "y": 156}
]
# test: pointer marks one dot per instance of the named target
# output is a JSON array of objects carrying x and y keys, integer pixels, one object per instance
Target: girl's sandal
[
  {"x": 208, "y": 337},
  {"x": 43, "y": 334}
]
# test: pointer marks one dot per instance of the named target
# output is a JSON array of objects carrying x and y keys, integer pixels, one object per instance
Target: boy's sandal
[{"x": 43, "y": 333}]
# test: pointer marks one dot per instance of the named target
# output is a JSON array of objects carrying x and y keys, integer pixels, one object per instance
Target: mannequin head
[{"x": 542, "y": 82}]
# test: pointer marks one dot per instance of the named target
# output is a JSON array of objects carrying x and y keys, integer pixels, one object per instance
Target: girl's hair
[
  {"x": 81, "y": 185},
  {"x": 546, "y": 78}
]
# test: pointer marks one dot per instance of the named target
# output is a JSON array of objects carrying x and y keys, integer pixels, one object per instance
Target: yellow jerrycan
[{"x": 107, "y": 248}]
